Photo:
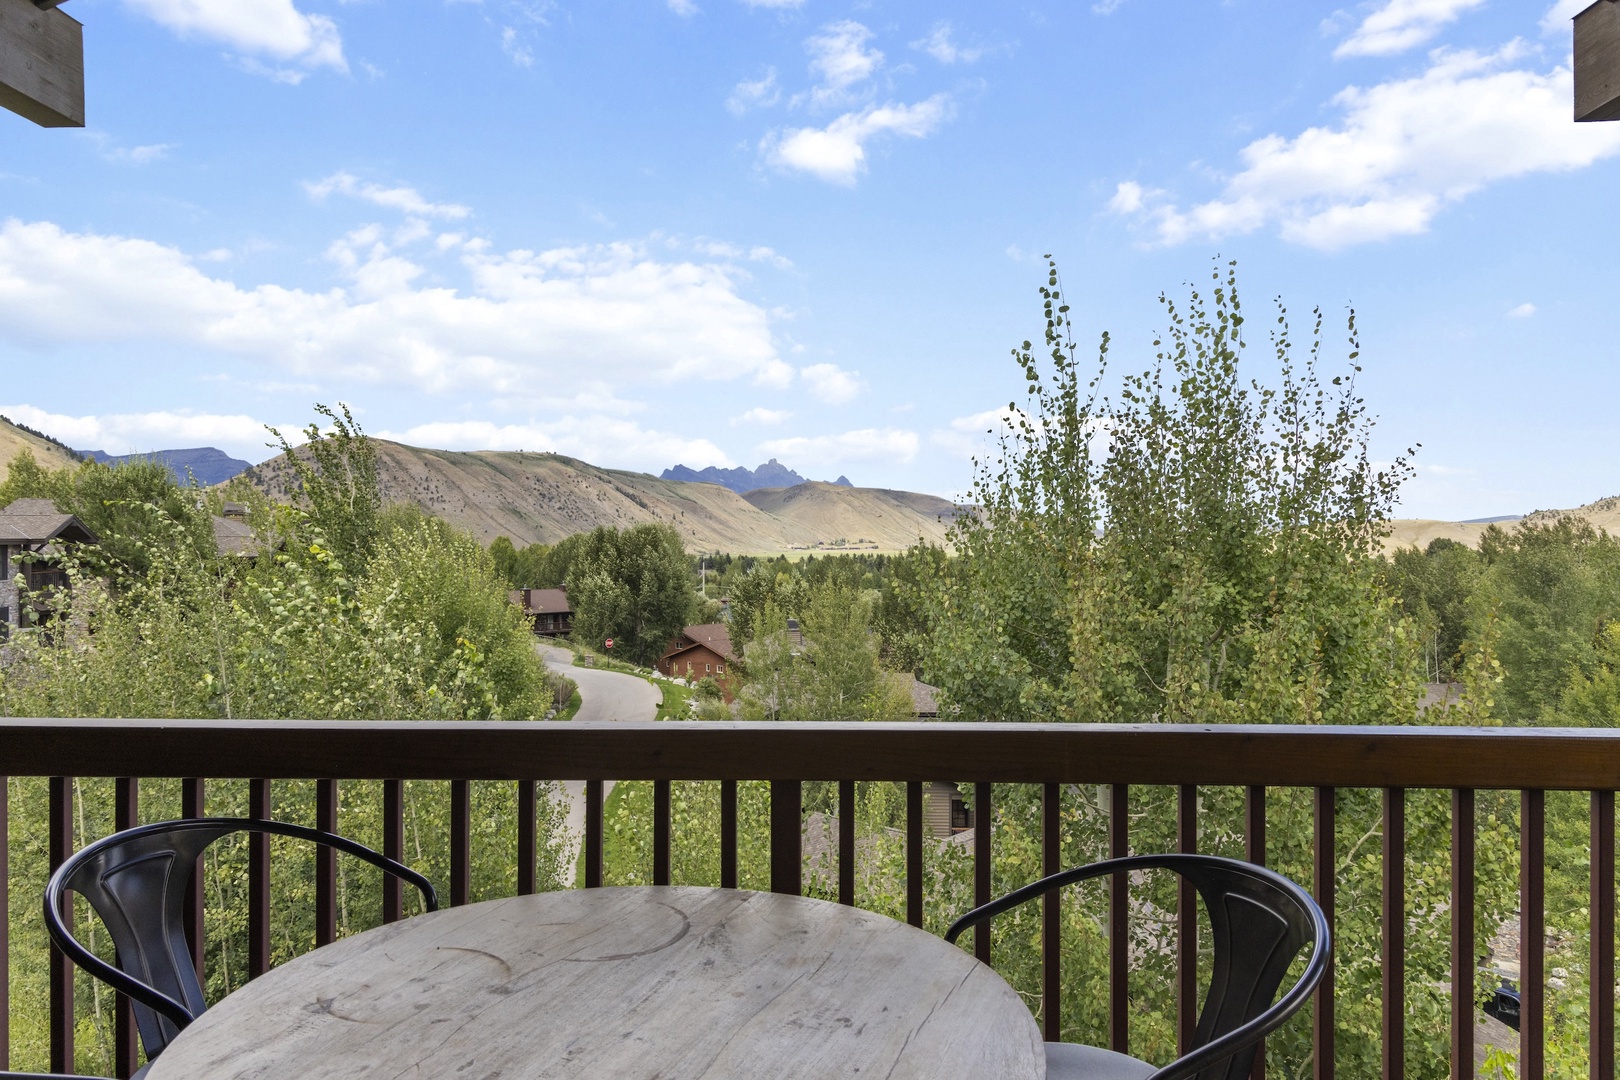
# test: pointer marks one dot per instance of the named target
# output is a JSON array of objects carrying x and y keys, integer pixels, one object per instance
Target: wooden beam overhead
[
  {"x": 1597, "y": 62},
  {"x": 41, "y": 63}
]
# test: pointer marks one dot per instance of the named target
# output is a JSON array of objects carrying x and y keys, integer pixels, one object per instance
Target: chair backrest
[
  {"x": 137, "y": 881},
  {"x": 1259, "y": 921}
]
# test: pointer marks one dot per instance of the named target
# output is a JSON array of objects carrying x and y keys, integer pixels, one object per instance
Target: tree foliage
[{"x": 1196, "y": 547}]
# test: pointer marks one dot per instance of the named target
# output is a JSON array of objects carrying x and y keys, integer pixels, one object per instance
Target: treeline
[
  {"x": 1529, "y": 622},
  {"x": 635, "y": 586}
]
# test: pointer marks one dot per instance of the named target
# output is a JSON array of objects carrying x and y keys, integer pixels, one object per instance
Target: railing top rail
[{"x": 1554, "y": 758}]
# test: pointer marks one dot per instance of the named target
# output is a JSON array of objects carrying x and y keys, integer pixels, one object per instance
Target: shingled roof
[{"x": 37, "y": 521}]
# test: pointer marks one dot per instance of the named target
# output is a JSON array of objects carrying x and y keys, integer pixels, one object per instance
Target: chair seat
[{"x": 1071, "y": 1061}]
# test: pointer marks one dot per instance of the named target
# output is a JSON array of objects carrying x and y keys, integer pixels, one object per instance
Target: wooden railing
[{"x": 1463, "y": 761}]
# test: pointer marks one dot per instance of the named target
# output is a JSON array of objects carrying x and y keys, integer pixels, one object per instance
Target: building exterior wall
[{"x": 694, "y": 663}]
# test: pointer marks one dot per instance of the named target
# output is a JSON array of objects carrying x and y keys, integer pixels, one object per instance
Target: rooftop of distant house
[{"x": 36, "y": 521}]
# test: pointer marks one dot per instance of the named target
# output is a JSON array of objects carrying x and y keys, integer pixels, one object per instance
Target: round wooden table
[{"x": 622, "y": 983}]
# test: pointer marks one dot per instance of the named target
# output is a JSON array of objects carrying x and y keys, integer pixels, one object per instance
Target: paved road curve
[{"x": 604, "y": 695}]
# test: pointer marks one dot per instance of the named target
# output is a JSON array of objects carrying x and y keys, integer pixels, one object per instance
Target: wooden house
[
  {"x": 704, "y": 651},
  {"x": 32, "y": 533},
  {"x": 547, "y": 610}
]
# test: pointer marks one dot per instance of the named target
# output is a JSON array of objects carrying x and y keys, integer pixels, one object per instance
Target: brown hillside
[
  {"x": 1418, "y": 532},
  {"x": 13, "y": 440},
  {"x": 541, "y": 498},
  {"x": 859, "y": 517}
]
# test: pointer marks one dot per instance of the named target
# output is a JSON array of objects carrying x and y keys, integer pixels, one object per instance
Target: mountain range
[
  {"x": 208, "y": 465},
  {"x": 541, "y": 498},
  {"x": 772, "y": 474}
]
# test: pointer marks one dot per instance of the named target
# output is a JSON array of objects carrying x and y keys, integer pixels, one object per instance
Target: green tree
[
  {"x": 633, "y": 586},
  {"x": 1197, "y": 549},
  {"x": 336, "y": 478}
]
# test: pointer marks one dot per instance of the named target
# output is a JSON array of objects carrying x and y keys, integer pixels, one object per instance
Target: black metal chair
[
  {"x": 1260, "y": 922},
  {"x": 136, "y": 881}
]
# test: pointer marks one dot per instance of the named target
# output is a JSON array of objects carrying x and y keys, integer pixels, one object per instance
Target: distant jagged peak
[{"x": 772, "y": 474}]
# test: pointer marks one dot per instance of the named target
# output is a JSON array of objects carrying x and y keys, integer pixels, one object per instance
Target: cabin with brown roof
[
  {"x": 32, "y": 533},
  {"x": 547, "y": 610},
  {"x": 704, "y": 651}
]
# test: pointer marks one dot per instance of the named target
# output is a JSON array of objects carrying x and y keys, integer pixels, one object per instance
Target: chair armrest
[{"x": 1056, "y": 881}]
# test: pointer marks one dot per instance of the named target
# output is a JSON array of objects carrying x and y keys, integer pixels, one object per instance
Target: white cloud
[
  {"x": 513, "y": 46},
  {"x": 780, "y": 4},
  {"x": 407, "y": 200},
  {"x": 763, "y": 417},
  {"x": 139, "y": 433},
  {"x": 529, "y": 319},
  {"x": 1523, "y": 311},
  {"x": 832, "y": 384},
  {"x": 837, "y": 152},
  {"x": 940, "y": 45},
  {"x": 1402, "y": 24},
  {"x": 760, "y": 93},
  {"x": 140, "y": 155},
  {"x": 1556, "y": 21},
  {"x": 776, "y": 374},
  {"x": 1403, "y": 151},
  {"x": 272, "y": 28},
  {"x": 868, "y": 444},
  {"x": 968, "y": 436},
  {"x": 839, "y": 56},
  {"x": 600, "y": 440},
  {"x": 684, "y": 8},
  {"x": 1106, "y": 7}
]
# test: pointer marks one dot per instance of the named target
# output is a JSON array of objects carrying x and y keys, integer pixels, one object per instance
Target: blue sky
[{"x": 645, "y": 232}]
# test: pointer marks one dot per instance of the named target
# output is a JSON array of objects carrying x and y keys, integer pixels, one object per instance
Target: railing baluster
[
  {"x": 1186, "y": 921},
  {"x": 787, "y": 829},
  {"x": 1394, "y": 1004},
  {"x": 193, "y": 792},
  {"x": 1119, "y": 939},
  {"x": 982, "y": 865},
  {"x": 5, "y": 918},
  {"x": 914, "y": 853},
  {"x": 61, "y": 846},
  {"x": 126, "y": 815},
  {"x": 1052, "y": 914},
  {"x": 1532, "y": 932},
  {"x": 593, "y": 834},
  {"x": 393, "y": 847},
  {"x": 661, "y": 815},
  {"x": 460, "y": 842},
  {"x": 526, "y": 852},
  {"x": 1326, "y": 868},
  {"x": 1600, "y": 1004},
  {"x": 326, "y": 819},
  {"x": 1462, "y": 934},
  {"x": 258, "y": 882},
  {"x": 1254, "y": 850},
  {"x": 846, "y": 842},
  {"x": 728, "y": 834}
]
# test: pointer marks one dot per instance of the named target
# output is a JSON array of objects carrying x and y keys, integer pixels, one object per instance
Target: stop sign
[{"x": 610, "y": 643}]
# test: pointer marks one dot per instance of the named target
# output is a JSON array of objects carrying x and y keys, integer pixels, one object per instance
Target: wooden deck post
[
  {"x": 41, "y": 63},
  {"x": 1597, "y": 62}
]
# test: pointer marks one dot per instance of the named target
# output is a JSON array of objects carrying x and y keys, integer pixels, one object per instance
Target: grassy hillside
[
  {"x": 541, "y": 498},
  {"x": 14, "y": 439},
  {"x": 1419, "y": 532}
]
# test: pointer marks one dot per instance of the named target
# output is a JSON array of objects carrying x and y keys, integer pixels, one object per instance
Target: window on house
[
  {"x": 707, "y": 669},
  {"x": 719, "y": 669}
]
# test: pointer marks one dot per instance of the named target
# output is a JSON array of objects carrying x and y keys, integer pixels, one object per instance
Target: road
[{"x": 603, "y": 695}]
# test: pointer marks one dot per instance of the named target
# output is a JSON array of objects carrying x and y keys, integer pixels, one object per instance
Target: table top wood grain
[{"x": 670, "y": 983}]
